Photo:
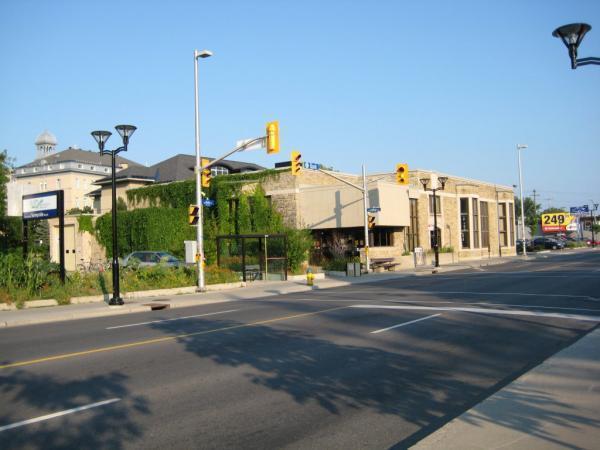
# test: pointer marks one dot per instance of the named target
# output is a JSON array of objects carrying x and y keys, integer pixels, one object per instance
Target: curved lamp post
[
  {"x": 425, "y": 182},
  {"x": 572, "y": 35},
  {"x": 101, "y": 137}
]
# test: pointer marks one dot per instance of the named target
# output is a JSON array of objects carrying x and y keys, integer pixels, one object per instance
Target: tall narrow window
[
  {"x": 511, "y": 220},
  {"x": 465, "y": 238},
  {"x": 412, "y": 235},
  {"x": 485, "y": 225},
  {"x": 438, "y": 205},
  {"x": 502, "y": 224},
  {"x": 475, "y": 223}
]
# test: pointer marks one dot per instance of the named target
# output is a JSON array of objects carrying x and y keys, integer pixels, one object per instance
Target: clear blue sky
[{"x": 450, "y": 86}]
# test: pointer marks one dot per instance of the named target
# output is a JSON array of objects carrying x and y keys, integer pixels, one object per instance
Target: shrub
[{"x": 336, "y": 264}]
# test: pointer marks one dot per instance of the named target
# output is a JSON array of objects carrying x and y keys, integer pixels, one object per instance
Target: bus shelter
[{"x": 254, "y": 256}]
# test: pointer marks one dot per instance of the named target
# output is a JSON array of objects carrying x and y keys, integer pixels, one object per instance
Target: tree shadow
[
  {"x": 27, "y": 395},
  {"x": 423, "y": 383}
]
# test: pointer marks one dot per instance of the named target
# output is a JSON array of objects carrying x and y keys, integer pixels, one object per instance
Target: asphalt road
[{"x": 373, "y": 365}]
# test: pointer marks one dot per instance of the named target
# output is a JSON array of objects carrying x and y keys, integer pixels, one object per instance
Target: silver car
[{"x": 147, "y": 259}]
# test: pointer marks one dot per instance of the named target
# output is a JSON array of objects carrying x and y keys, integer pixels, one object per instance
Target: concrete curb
[{"x": 40, "y": 303}]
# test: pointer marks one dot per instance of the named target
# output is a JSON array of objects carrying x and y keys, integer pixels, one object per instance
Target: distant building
[
  {"x": 73, "y": 170},
  {"x": 177, "y": 168}
]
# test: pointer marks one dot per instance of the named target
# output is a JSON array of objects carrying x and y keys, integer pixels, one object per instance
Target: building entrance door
[{"x": 70, "y": 255}]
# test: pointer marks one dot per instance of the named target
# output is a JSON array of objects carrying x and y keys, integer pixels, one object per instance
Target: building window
[
  {"x": 412, "y": 232},
  {"x": 438, "y": 205},
  {"x": 465, "y": 240},
  {"x": 432, "y": 238},
  {"x": 218, "y": 170},
  {"x": 49, "y": 167},
  {"x": 91, "y": 167},
  {"x": 381, "y": 237},
  {"x": 511, "y": 221},
  {"x": 502, "y": 224},
  {"x": 35, "y": 169},
  {"x": 485, "y": 225},
  {"x": 475, "y": 223},
  {"x": 22, "y": 170}
]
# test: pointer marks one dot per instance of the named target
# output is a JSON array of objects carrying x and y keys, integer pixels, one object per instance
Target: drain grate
[{"x": 157, "y": 306}]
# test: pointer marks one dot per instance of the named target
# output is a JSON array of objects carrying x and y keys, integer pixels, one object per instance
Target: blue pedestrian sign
[
  {"x": 374, "y": 209},
  {"x": 208, "y": 202},
  {"x": 579, "y": 209}
]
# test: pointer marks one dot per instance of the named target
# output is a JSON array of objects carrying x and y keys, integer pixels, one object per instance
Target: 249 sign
[{"x": 555, "y": 222}]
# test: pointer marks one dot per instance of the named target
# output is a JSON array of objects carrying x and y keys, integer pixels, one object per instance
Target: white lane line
[
  {"x": 405, "y": 323},
  {"x": 57, "y": 414},
  {"x": 169, "y": 320},
  {"x": 498, "y": 304},
  {"x": 506, "y": 312},
  {"x": 522, "y": 294}
]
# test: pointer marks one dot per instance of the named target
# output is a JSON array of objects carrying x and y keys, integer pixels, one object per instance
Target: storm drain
[{"x": 157, "y": 306}]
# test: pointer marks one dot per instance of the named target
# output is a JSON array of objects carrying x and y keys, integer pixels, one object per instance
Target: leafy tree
[
  {"x": 532, "y": 217},
  {"x": 4, "y": 178}
]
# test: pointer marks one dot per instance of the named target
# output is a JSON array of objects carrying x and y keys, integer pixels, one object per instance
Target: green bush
[{"x": 336, "y": 264}]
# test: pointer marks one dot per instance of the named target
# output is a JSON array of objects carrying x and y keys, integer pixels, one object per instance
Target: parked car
[
  {"x": 528, "y": 245},
  {"x": 548, "y": 243},
  {"x": 150, "y": 258}
]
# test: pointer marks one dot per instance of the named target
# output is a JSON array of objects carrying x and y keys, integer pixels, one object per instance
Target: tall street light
[
  {"x": 425, "y": 182},
  {"x": 519, "y": 148},
  {"x": 571, "y": 35},
  {"x": 199, "y": 228},
  {"x": 101, "y": 137}
]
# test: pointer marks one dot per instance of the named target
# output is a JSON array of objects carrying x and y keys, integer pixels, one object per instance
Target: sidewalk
[
  {"x": 254, "y": 290},
  {"x": 555, "y": 405}
]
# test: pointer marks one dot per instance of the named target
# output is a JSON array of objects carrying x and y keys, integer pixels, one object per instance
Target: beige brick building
[{"x": 475, "y": 219}]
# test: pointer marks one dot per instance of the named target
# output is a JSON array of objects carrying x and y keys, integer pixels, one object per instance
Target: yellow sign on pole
[{"x": 556, "y": 222}]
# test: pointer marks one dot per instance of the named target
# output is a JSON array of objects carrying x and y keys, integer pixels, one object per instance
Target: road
[{"x": 373, "y": 365}]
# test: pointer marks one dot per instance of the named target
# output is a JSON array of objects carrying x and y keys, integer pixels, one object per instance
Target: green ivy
[{"x": 85, "y": 224}]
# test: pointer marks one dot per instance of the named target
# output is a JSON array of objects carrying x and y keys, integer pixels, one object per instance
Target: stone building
[{"x": 475, "y": 219}]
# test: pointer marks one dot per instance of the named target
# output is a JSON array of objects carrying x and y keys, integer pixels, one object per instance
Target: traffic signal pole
[
  {"x": 366, "y": 216},
  {"x": 365, "y": 194},
  {"x": 199, "y": 226}
]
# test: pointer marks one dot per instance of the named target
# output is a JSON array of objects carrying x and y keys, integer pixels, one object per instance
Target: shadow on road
[{"x": 108, "y": 426}]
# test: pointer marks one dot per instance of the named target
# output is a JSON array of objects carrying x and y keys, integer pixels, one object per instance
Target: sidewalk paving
[{"x": 555, "y": 405}]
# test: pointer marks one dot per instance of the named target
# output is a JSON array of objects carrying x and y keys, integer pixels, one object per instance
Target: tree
[
  {"x": 4, "y": 178},
  {"x": 531, "y": 213}
]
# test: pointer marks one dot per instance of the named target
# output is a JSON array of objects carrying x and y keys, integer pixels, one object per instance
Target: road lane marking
[
  {"x": 58, "y": 414},
  {"x": 522, "y": 294},
  {"x": 169, "y": 320},
  {"x": 162, "y": 339},
  {"x": 507, "y": 312},
  {"x": 405, "y": 323}
]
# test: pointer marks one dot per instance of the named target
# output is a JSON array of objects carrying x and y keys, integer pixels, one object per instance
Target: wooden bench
[{"x": 383, "y": 263}]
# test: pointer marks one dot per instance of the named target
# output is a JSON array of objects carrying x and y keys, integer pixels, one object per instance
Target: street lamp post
[
  {"x": 592, "y": 211},
  {"x": 101, "y": 137},
  {"x": 519, "y": 148},
  {"x": 425, "y": 182},
  {"x": 571, "y": 35},
  {"x": 199, "y": 228}
]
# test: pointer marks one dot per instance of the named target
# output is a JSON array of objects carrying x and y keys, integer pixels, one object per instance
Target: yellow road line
[{"x": 157, "y": 340}]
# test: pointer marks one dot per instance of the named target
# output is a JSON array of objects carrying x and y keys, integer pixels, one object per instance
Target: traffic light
[
  {"x": 371, "y": 221},
  {"x": 206, "y": 177},
  {"x": 273, "y": 137},
  {"x": 193, "y": 212},
  {"x": 402, "y": 174},
  {"x": 296, "y": 162}
]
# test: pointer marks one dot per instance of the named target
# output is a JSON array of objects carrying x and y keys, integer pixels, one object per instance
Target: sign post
[{"x": 46, "y": 205}]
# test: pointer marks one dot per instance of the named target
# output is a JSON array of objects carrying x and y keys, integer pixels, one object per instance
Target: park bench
[{"x": 383, "y": 263}]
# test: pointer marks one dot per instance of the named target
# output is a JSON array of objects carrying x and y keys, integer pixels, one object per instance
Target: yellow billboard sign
[{"x": 556, "y": 222}]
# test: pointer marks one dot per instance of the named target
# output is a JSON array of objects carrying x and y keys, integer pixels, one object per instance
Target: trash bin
[{"x": 353, "y": 269}]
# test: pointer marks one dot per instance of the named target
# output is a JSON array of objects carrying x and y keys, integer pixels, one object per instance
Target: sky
[{"x": 449, "y": 86}]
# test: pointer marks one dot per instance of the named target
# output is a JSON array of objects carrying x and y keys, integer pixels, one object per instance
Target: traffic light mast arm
[
  {"x": 241, "y": 148},
  {"x": 342, "y": 180}
]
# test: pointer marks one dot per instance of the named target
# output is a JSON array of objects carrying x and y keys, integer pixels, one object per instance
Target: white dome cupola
[{"x": 45, "y": 144}]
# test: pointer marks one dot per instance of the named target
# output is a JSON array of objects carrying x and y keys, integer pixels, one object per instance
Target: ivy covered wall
[{"x": 163, "y": 225}]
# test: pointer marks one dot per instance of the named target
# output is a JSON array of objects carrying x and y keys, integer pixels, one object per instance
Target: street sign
[
  {"x": 208, "y": 202},
  {"x": 556, "y": 222},
  {"x": 374, "y": 209},
  {"x": 40, "y": 206},
  {"x": 579, "y": 209}
]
